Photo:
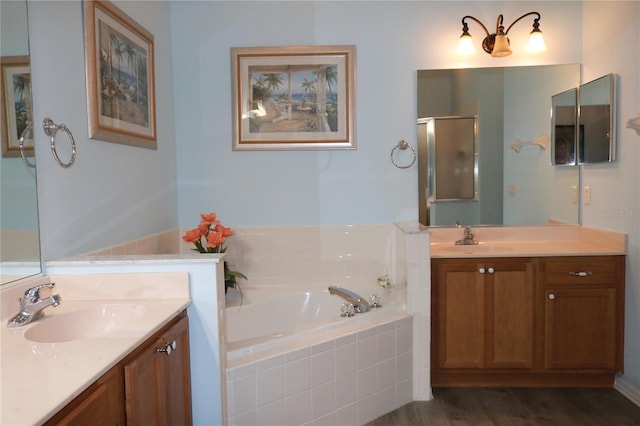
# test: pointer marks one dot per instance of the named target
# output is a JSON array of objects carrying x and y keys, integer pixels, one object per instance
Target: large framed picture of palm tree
[
  {"x": 120, "y": 76},
  {"x": 16, "y": 106},
  {"x": 294, "y": 97}
]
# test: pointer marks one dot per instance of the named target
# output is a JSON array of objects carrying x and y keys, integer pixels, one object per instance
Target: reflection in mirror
[
  {"x": 512, "y": 103},
  {"x": 19, "y": 237},
  {"x": 564, "y": 116},
  {"x": 449, "y": 146},
  {"x": 597, "y": 118}
]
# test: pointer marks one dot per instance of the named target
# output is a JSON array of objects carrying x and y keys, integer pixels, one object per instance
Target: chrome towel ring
[
  {"x": 28, "y": 129},
  {"x": 51, "y": 129},
  {"x": 403, "y": 145}
]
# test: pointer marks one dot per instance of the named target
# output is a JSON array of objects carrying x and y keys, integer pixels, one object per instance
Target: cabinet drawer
[{"x": 582, "y": 270}]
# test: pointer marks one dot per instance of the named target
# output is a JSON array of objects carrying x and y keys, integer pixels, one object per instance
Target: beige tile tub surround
[
  {"x": 38, "y": 379},
  {"x": 555, "y": 240}
]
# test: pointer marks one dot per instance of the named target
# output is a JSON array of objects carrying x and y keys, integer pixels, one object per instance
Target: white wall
[
  {"x": 113, "y": 193},
  {"x": 615, "y": 197}
]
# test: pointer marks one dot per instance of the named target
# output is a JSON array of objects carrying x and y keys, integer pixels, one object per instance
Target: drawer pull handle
[
  {"x": 552, "y": 296},
  {"x": 168, "y": 348},
  {"x": 581, "y": 274}
]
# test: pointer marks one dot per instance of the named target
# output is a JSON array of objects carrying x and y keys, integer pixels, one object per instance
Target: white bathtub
[
  {"x": 290, "y": 321},
  {"x": 292, "y": 359}
]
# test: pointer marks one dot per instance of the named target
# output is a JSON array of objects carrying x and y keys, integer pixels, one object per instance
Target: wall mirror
[
  {"x": 564, "y": 116},
  {"x": 597, "y": 142},
  {"x": 20, "y": 250},
  {"x": 511, "y": 103}
]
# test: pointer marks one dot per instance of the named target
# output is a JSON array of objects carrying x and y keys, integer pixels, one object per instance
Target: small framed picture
[
  {"x": 16, "y": 106},
  {"x": 294, "y": 97},
  {"x": 120, "y": 76}
]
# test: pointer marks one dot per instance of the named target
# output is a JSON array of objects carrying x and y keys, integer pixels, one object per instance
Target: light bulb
[
  {"x": 465, "y": 46},
  {"x": 536, "y": 42}
]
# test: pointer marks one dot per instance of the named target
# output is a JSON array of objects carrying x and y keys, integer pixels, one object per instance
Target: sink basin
[
  {"x": 84, "y": 323},
  {"x": 476, "y": 248}
]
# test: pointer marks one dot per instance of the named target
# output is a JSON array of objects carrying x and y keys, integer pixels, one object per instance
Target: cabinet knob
[
  {"x": 168, "y": 348},
  {"x": 552, "y": 296},
  {"x": 491, "y": 270},
  {"x": 481, "y": 270}
]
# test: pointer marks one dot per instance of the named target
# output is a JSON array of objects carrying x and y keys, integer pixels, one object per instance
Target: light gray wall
[
  {"x": 113, "y": 193},
  {"x": 615, "y": 197},
  {"x": 393, "y": 38}
]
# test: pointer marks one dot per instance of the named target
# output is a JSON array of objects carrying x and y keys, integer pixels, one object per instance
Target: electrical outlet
[
  {"x": 511, "y": 189},
  {"x": 587, "y": 195},
  {"x": 574, "y": 194}
]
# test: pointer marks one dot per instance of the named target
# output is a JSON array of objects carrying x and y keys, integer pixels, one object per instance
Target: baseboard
[{"x": 627, "y": 389}]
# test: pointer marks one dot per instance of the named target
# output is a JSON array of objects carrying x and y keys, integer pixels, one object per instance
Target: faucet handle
[
  {"x": 33, "y": 294},
  {"x": 375, "y": 301},
  {"x": 347, "y": 310}
]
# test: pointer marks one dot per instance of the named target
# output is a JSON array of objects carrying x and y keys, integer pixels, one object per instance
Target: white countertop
[
  {"x": 39, "y": 379},
  {"x": 522, "y": 249},
  {"x": 541, "y": 241}
]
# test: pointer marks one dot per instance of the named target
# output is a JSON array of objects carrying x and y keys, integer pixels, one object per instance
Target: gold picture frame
[
  {"x": 16, "y": 113},
  {"x": 294, "y": 97},
  {"x": 119, "y": 55}
]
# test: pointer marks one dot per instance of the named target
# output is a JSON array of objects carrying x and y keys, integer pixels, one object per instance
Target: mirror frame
[
  {"x": 605, "y": 85},
  {"x": 563, "y": 126}
]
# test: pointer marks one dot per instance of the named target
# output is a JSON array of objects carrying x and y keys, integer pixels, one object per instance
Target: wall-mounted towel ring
[
  {"x": 51, "y": 129},
  {"x": 403, "y": 145},
  {"x": 27, "y": 129}
]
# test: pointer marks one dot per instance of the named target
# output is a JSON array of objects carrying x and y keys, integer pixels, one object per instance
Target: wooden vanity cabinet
[
  {"x": 549, "y": 321},
  {"x": 147, "y": 387},
  {"x": 482, "y": 314}
]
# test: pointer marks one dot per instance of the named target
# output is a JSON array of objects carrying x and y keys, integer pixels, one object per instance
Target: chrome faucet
[
  {"x": 357, "y": 301},
  {"x": 31, "y": 306},
  {"x": 467, "y": 237}
]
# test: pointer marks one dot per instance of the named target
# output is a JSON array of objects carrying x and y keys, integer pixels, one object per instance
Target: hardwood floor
[{"x": 517, "y": 406}]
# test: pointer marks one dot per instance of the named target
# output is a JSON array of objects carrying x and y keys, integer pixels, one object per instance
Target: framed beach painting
[
  {"x": 16, "y": 106},
  {"x": 119, "y": 56},
  {"x": 294, "y": 97}
]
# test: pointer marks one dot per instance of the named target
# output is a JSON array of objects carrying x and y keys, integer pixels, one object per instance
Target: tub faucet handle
[
  {"x": 375, "y": 301},
  {"x": 347, "y": 310}
]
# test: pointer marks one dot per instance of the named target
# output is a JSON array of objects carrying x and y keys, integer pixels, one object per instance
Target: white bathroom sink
[{"x": 85, "y": 323}]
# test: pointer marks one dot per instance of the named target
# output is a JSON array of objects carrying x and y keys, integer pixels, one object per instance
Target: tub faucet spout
[{"x": 360, "y": 304}]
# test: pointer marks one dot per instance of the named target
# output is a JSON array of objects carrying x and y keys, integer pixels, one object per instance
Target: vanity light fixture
[{"x": 497, "y": 44}]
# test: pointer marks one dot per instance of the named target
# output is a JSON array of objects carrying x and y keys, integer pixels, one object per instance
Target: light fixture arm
[
  {"x": 465, "y": 27},
  {"x": 536, "y": 21}
]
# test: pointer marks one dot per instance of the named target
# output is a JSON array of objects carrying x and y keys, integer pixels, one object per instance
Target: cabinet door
[
  {"x": 580, "y": 328},
  {"x": 157, "y": 381},
  {"x": 178, "y": 375},
  {"x": 458, "y": 315},
  {"x": 100, "y": 404},
  {"x": 145, "y": 388},
  {"x": 509, "y": 314}
]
